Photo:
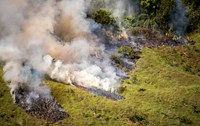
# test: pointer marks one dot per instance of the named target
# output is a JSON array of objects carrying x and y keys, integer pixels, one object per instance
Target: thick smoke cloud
[{"x": 35, "y": 32}]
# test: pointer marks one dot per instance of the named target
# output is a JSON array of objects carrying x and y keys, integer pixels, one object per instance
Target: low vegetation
[{"x": 163, "y": 90}]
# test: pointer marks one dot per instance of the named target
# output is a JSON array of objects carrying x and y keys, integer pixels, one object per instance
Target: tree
[{"x": 103, "y": 16}]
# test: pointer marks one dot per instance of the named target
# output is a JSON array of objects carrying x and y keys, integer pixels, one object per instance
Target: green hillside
[{"x": 164, "y": 90}]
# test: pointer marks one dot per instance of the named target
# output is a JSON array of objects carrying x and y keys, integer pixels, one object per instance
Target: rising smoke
[
  {"x": 53, "y": 38},
  {"x": 179, "y": 20},
  {"x": 118, "y": 8}
]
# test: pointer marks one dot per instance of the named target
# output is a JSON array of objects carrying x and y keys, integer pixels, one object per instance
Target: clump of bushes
[
  {"x": 104, "y": 17},
  {"x": 193, "y": 14},
  {"x": 153, "y": 14},
  {"x": 128, "y": 52}
]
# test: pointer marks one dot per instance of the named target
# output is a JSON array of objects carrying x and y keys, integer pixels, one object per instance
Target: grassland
[{"x": 163, "y": 90}]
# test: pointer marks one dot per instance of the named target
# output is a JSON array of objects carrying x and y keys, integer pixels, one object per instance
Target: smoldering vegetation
[
  {"x": 37, "y": 105},
  {"x": 34, "y": 29},
  {"x": 60, "y": 40},
  {"x": 179, "y": 20},
  {"x": 40, "y": 28}
]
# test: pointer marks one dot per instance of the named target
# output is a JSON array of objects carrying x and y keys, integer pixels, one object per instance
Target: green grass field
[{"x": 163, "y": 90}]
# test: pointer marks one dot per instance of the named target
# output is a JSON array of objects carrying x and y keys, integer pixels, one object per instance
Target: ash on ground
[
  {"x": 125, "y": 47},
  {"x": 101, "y": 92},
  {"x": 42, "y": 107}
]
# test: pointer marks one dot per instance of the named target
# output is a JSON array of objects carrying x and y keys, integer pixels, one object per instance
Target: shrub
[{"x": 103, "y": 16}]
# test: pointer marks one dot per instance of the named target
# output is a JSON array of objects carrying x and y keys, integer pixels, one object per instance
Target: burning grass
[
  {"x": 156, "y": 94},
  {"x": 69, "y": 47}
]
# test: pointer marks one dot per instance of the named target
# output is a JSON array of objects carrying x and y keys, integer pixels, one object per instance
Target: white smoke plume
[
  {"x": 124, "y": 8},
  {"x": 118, "y": 8},
  {"x": 35, "y": 32},
  {"x": 178, "y": 17},
  {"x": 121, "y": 9}
]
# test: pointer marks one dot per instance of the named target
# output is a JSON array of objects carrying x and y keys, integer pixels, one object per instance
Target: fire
[{"x": 123, "y": 35}]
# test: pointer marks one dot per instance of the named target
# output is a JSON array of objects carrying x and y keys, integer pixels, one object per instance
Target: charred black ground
[
  {"x": 101, "y": 92},
  {"x": 130, "y": 44},
  {"x": 39, "y": 106},
  {"x": 129, "y": 47}
]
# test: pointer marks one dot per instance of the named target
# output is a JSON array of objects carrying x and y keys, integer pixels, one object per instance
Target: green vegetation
[
  {"x": 163, "y": 14},
  {"x": 163, "y": 90},
  {"x": 103, "y": 16},
  {"x": 153, "y": 14},
  {"x": 10, "y": 113},
  {"x": 193, "y": 14},
  {"x": 149, "y": 6},
  {"x": 141, "y": 20},
  {"x": 128, "y": 52},
  {"x": 184, "y": 57},
  {"x": 159, "y": 92}
]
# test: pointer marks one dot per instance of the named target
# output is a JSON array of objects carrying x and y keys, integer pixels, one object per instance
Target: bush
[
  {"x": 193, "y": 14},
  {"x": 103, "y": 16},
  {"x": 149, "y": 7}
]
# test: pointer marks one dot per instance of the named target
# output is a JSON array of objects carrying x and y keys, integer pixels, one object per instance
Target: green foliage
[
  {"x": 128, "y": 52},
  {"x": 153, "y": 14},
  {"x": 163, "y": 13},
  {"x": 155, "y": 94},
  {"x": 129, "y": 22},
  {"x": 141, "y": 20},
  {"x": 193, "y": 14},
  {"x": 149, "y": 7},
  {"x": 196, "y": 39},
  {"x": 159, "y": 12},
  {"x": 154, "y": 75},
  {"x": 103, "y": 16},
  {"x": 163, "y": 90},
  {"x": 184, "y": 57}
]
